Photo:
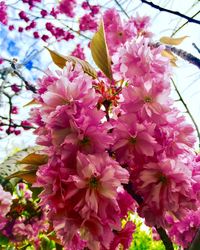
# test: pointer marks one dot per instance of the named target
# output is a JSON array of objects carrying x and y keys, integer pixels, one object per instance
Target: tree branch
[
  {"x": 165, "y": 238},
  {"x": 189, "y": 19},
  {"x": 196, "y": 242},
  {"x": 161, "y": 231},
  {"x": 181, "y": 53},
  {"x": 185, "y": 55}
]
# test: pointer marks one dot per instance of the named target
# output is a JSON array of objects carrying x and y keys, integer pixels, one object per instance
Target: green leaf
[
  {"x": 61, "y": 61},
  {"x": 3, "y": 240},
  {"x": 35, "y": 192},
  {"x": 100, "y": 52}
]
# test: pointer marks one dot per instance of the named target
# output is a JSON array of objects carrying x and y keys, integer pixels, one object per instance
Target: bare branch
[
  {"x": 161, "y": 231},
  {"x": 181, "y": 53},
  {"x": 196, "y": 242},
  {"x": 165, "y": 238},
  {"x": 189, "y": 19}
]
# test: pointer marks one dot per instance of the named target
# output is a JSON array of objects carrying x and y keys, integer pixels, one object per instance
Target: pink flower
[
  {"x": 146, "y": 100},
  {"x": 87, "y": 22},
  {"x": 184, "y": 231},
  {"x": 99, "y": 177},
  {"x": 174, "y": 134},
  {"x": 14, "y": 110},
  {"x": 15, "y": 88},
  {"x": 3, "y": 13},
  {"x": 126, "y": 203},
  {"x": 83, "y": 196},
  {"x": 29, "y": 229},
  {"x": 165, "y": 186},
  {"x": 141, "y": 24},
  {"x": 116, "y": 32},
  {"x": 5, "y": 202},
  {"x": 72, "y": 87},
  {"x": 137, "y": 62},
  {"x": 88, "y": 134},
  {"x": 78, "y": 52},
  {"x": 133, "y": 139},
  {"x": 123, "y": 237},
  {"x": 67, "y": 7}
]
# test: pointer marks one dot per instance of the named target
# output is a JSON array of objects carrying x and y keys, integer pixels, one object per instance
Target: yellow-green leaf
[
  {"x": 171, "y": 56},
  {"x": 171, "y": 40},
  {"x": 100, "y": 52},
  {"x": 34, "y": 159},
  {"x": 61, "y": 61},
  {"x": 32, "y": 102},
  {"x": 27, "y": 175}
]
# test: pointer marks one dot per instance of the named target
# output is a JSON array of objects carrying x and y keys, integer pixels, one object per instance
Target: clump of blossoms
[
  {"x": 5, "y": 203},
  {"x": 112, "y": 141},
  {"x": 67, "y": 7},
  {"x": 3, "y": 13},
  {"x": 184, "y": 231},
  {"x": 82, "y": 183},
  {"x": 21, "y": 219}
]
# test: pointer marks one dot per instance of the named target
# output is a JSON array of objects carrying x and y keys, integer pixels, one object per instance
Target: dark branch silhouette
[
  {"x": 189, "y": 19},
  {"x": 161, "y": 231}
]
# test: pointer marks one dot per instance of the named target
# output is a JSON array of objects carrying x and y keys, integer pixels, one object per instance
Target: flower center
[
  {"x": 162, "y": 178},
  {"x": 133, "y": 140},
  {"x": 147, "y": 99},
  {"x": 93, "y": 182},
  {"x": 85, "y": 141}
]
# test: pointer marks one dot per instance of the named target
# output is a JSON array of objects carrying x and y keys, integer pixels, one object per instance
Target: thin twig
[
  {"x": 184, "y": 24},
  {"x": 195, "y": 46},
  {"x": 187, "y": 110},
  {"x": 122, "y": 9},
  {"x": 16, "y": 72},
  {"x": 189, "y": 19}
]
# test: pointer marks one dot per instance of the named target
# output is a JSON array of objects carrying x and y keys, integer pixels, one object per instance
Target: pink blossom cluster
[
  {"x": 89, "y": 20},
  {"x": 145, "y": 143},
  {"x": 31, "y": 3},
  {"x": 151, "y": 137},
  {"x": 20, "y": 218},
  {"x": 82, "y": 183},
  {"x": 5, "y": 203},
  {"x": 184, "y": 231},
  {"x": 78, "y": 52},
  {"x": 118, "y": 32},
  {"x": 30, "y": 229},
  {"x": 3, "y": 13},
  {"x": 67, "y": 7}
]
